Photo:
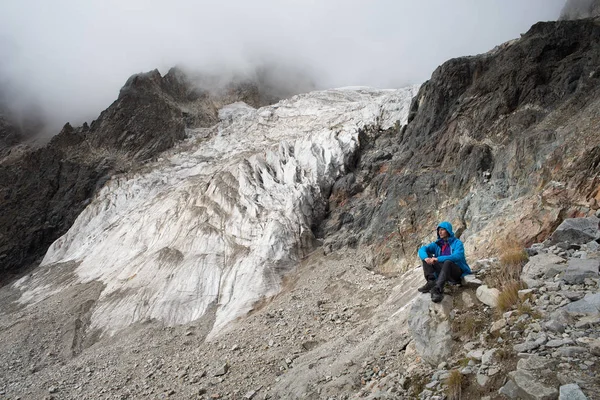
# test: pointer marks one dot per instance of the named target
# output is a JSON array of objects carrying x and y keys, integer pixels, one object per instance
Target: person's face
[{"x": 443, "y": 233}]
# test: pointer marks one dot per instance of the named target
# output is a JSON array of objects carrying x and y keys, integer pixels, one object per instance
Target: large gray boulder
[
  {"x": 579, "y": 269},
  {"x": 576, "y": 231},
  {"x": 539, "y": 265},
  {"x": 571, "y": 392},
  {"x": 429, "y": 327},
  {"x": 530, "y": 388},
  {"x": 590, "y": 304}
]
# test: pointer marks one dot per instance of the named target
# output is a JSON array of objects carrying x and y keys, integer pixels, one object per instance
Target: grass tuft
[
  {"x": 417, "y": 384},
  {"x": 467, "y": 325},
  {"x": 512, "y": 259},
  {"x": 509, "y": 296},
  {"x": 454, "y": 385}
]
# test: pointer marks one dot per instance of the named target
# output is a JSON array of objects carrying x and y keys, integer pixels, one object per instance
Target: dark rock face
[
  {"x": 578, "y": 9},
  {"x": 42, "y": 191},
  {"x": 152, "y": 112},
  {"x": 9, "y": 136},
  {"x": 517, "y": 124},
  {"x": 41, "y": 194}
]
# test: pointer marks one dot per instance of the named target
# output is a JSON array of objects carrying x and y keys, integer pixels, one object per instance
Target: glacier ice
[{"x": 221, "y": 217}]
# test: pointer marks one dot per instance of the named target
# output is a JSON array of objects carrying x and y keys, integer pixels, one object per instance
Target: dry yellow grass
[
  {"x": 467, "y": 325},
  {"x": 454, "y": 385},
  {"x": 509, "y": 296},
  {"x": 512, "y": 259}
]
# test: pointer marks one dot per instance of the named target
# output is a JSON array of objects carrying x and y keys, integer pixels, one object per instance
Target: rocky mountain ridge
[
  {"x": 504, "y": 143},
  {"x": 44, "y": 189}
]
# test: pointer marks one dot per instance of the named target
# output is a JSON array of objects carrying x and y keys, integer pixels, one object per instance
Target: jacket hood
[{"x": 447, "y": 226}]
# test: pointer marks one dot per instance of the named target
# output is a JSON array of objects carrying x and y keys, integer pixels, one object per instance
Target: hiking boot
[
  {"x": 437, "y": 294},
  {"x": 427, "y": 287}
]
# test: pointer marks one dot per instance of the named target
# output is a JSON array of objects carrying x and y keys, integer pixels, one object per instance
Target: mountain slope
[{"x": 502, "y": 144}]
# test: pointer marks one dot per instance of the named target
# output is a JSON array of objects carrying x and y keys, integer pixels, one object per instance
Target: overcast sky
[{"x": 73, "y": 56}]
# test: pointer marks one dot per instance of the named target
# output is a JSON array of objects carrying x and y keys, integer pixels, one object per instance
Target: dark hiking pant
[{"x": 446, "y": 271}]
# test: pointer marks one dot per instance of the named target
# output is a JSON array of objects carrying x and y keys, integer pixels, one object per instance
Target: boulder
[
  {"x": 595, "y": 347},
  {"x": 571, "y": 392},
  {"x": 593, "y": 245},
  {"x": 488, "y": 357},
  {"x": 468, "y": 299},
  {"x": 537, "y": 266},
  {"x": 554, "y": 269},
  {"x": 534, "y": 363},
  {"x": 571, "y": 351},
  {"x": 554, "y": 326},
  {"x": 580, "y": 269},
  {"x": 429, "y": 327},
  {"x": 497, "y": 325},
  {"x": 488, "y": 296},
  {"x": 509, "y": 390},
  {"x": 576, "y": 231},
  {"x": 590, "y": 304},
  {"x": 559, "y": 342},
  {"x": 528, "y": 387},
  {"x": 471, "y": 281}
]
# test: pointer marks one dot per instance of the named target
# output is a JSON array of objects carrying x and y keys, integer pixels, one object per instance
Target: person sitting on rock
[{"x": 443, "y": 260}]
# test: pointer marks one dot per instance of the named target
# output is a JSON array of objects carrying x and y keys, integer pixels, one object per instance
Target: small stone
[
  {"x": 482, "y": 380},
  {"x": 524, "y": 347},
  {"x": 488, "y": 357},
  {"x": 571, "y": 351},
  {"x": 471, "y": 281},
  {"x": 475, "y": 354},
  {"x": 496, "y": 326},
  {"x": 52, "y": 389},
  {"x": 559, "y": 342},
  {"x": 222, "y": 370},
  {"x": 572, "y": 295},
  {"x": 488, "y": 296},
  {"x": 493, "y": 371},
  {"x": 432, "y": 385},
  {"x": 524, "y": 293},
  {"x": 466, "y": 371},
  {"x": 509, "y": 390}
]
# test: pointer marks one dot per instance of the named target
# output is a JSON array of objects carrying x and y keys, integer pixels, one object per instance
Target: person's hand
[{"x": 430, "y": 260}]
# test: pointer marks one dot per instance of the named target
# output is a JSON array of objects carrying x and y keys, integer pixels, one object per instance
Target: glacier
[{"x": 220, "y": 218}]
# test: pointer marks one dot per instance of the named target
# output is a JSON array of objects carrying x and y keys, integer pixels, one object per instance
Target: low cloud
[{"x": 69, "y": 58}]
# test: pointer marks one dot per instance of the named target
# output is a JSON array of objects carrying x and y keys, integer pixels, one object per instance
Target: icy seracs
[{"x": 221, "y": 217}]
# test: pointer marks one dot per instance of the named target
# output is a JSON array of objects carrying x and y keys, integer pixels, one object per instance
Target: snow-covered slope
[{"x": 220, "y": 218}]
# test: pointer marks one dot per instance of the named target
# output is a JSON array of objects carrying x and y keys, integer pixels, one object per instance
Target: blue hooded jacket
[{"x": 457, "y": 250}]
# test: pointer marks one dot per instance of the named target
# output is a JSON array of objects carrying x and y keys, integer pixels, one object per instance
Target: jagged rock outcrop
[
  {"x": 9, "y": 136},
  {"x": 43, "y": 190},
  {"x": 503, "y": 143},
  {"x": 15, "y": 130},
  {"x": 578, "y": 9}
]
